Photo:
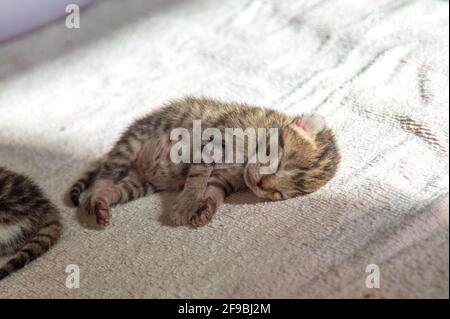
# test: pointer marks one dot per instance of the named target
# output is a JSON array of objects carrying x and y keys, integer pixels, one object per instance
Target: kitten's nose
[{"x": 265, "y": 183}]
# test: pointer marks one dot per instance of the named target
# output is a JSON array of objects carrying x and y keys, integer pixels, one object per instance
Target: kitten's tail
[
  {"x": 84, "y": 183},
  {"x": 46, "y": 236}
]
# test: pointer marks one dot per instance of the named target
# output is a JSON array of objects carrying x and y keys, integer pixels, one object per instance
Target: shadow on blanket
[{"x": 98, "y": 20}]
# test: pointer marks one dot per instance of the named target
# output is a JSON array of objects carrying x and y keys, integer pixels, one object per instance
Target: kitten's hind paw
[
  {"x": 102, "y": 213},
  {"x": 100, "y": 208}
]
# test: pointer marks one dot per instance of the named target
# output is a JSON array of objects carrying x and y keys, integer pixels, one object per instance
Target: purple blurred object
[{"x": 20, "y": 16}]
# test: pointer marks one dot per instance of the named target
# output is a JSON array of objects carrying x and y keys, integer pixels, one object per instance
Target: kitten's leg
[
  {"x": 106, "y": 193},
  {"x": 110, "y": 167},
  {"x": 213, "y": 198},
  {"x": 189, "y": 200},
  {"x": 221, "y": 183},
  {"x": 84, "y": 182}
]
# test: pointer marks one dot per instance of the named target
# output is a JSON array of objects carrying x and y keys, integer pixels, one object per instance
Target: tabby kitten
[
  {"x": 140, "y": 163},
  {"x": 29, "y": 223}
]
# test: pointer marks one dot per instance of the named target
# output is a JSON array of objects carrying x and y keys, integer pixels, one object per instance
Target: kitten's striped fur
[
  {"x": 139, "y": 162},
  {"x": 29, "y": 222}
]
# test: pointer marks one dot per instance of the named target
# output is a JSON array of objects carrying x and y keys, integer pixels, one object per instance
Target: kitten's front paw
[
  {"x": 186, "y": 205},
  {"x": 100, "y": 208},
  {"x": 198, "y": 215},
  {"x": 204, "y": 213},
  {"x": 180, "y": 215}
]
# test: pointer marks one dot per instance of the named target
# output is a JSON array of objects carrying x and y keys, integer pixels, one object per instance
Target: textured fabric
[{"x": 376, "y": 70}]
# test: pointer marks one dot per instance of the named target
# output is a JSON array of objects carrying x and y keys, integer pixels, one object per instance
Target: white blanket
[{"x": 378, "y": 71}]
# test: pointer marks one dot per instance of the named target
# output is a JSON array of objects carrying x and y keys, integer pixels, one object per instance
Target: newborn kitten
[
  {"x": 29, "y": 223},
  {"x": 140, "y": 163}
]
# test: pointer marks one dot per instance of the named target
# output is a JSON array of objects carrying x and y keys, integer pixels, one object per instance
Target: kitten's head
[{"x": 307, "y": 159}]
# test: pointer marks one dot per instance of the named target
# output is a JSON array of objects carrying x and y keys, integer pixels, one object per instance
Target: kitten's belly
[{"x": 156, "y": 167}]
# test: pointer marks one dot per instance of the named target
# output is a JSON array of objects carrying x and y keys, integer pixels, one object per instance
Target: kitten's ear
[{"x": 311, "y": 124}]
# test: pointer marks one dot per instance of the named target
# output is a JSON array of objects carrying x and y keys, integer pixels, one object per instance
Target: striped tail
[
  {"x": 83, "y": 183},
  {"x": 45, "y": 237}
]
